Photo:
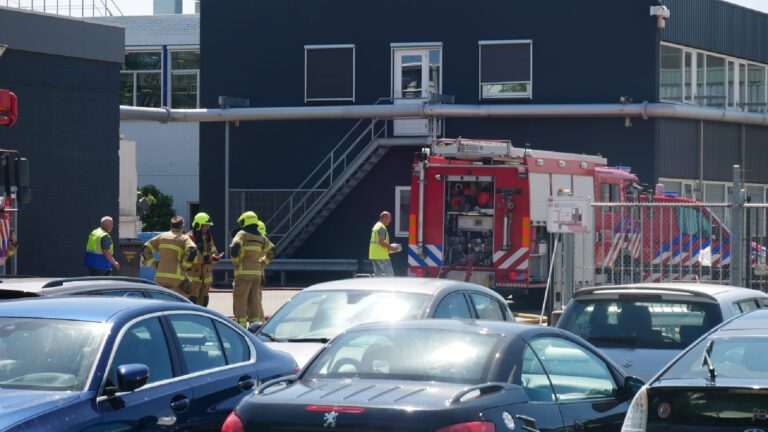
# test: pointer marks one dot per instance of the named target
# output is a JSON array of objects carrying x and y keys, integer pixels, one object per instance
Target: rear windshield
[
  {"x": 732, "y": 357},
  {"x": 664, "y": 324}
]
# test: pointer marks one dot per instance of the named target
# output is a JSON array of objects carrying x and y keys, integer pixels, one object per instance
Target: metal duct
[{"x": 643, "y": 110}]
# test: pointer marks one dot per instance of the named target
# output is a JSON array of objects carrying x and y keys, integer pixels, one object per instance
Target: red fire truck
[{"x": 479, "y": 213}]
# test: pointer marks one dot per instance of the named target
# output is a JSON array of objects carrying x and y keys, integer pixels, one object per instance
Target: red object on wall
[{"x": 9, "y": 108}]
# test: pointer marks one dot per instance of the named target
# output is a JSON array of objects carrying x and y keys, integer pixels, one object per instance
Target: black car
[
  {"x": 113, "y": 286},
  {"x": 445, "y": 376},
  {"x": 719, "y": 383}
]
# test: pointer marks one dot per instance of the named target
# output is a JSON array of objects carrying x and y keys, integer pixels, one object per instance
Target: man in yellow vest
[
  {"x": 200, "y": 274},
  {"x": 251, "y": 252},
  {"x": 100, "y": 249},
  {"x": 380, "y": 248},
  {"x": 177, "y": 252}
]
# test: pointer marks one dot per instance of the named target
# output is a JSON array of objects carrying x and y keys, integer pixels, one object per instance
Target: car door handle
[
  {"x": 529, "y": 423},
  {"x": 180, "y": 403},
  {"x": 245, "y": 383}
]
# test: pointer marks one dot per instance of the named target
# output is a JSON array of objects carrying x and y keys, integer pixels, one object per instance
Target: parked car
[
  {"x": 318, "y": 313},
  {"x": 643, "y": 326},
  {"x": 445, "y": 376},
  {"x": 97, "y": 364},
  {"x": 718, "y": 383},
  {"x": 113, "y": 286}
]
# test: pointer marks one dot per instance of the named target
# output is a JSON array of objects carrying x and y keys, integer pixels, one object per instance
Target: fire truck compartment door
[
  {"x": 584, "y": 186},
  {"x": 540, "y": 192}
]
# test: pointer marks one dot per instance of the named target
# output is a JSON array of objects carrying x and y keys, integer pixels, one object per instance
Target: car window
[
  {"x": 454, "y": 306},
  {"x": 743, "y": 357},
  {"x": 46, "y": 354},
  {"x": 639, "y": 323},
  {"x": 487, "y": 308},
  {"x": 747, "y": 305},
  {"x": 534, "y": 380},
  {"x": 163, "y": 296},
  {"x": 200, "y": 343},
  {"x": 115, "y": 293},
  {"x": 576, "y": 373},
  {"x": 235, "y": 347},
  {"x": 143, "y": 343}
]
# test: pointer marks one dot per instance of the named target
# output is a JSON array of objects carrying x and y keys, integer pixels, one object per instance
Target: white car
[
  {"x": 643, "y": 326},
  {"x": 318, "y": 313}
]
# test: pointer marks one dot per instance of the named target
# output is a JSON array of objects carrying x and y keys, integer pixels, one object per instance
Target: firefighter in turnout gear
[
  {"x": 200, "y": 274},
  {"x": 177, "y": 252},
  {"x": 251, "y": 252}
]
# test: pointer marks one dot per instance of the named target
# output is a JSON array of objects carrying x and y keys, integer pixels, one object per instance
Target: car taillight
[
  {"x": 233, "y": 424},
  {"x": 477, "y": 426},
  {"x": 637, "y": 414}
]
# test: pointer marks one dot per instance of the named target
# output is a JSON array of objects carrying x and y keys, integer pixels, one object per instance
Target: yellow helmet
[
  {"x": 262, "y": 228},
  {"x": 248, "y": 218},
  {"x": 200, "y": 220}
]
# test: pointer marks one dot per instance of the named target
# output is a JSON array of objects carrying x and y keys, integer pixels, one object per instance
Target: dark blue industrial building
[{"x": 341, "y": 52}]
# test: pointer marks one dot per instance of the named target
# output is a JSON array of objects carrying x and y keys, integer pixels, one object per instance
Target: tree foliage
[{"x": 158, "y": 215}]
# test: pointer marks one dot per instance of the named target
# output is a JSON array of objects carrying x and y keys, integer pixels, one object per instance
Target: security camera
[{"x": 662, "y": 14}]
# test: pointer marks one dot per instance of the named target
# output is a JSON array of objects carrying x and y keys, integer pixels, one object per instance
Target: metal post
[
  {"x": 736, "y": 249},
  {"x": 226, "y": 187}
]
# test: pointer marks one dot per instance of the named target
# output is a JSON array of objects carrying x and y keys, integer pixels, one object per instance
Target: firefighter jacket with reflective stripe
[
  {"x": 250, "y": 253},
  {"x": 375, "y": 250},
  {"x": 176, "y": 251},
  {"x": 206, "y": 249},
  {"x": 94, "y": 256}
]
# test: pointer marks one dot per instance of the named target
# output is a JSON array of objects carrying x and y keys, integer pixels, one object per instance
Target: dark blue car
[{"x": 122, "y": 364}]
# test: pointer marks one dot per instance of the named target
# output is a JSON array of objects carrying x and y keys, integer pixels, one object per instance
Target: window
[
  {"x": 575, "y": 372},
  {"x": 671, "y": 73},
  {"x": 715, "y": 82},
  {"x": 163, "y": 296},
  {"x": 534, "y": 380},
  {"x": 200, "y": 343},
  {"x": 143, "y": 343},
  {"x": 487, "y": 308},
  {"x": 235, "y": 347},
  {"x": 403, "y": 208},
  {"x": 185, "y": 75},
  {"x": 747, "y": 306},
  {"x": 454, "y": 306},
  {"x": 506, "y": 69},
  {"x": 329, "y": 73},
  {"x": 141, "y": 79}
]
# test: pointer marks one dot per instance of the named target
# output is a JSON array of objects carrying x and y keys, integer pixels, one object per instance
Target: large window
[
  {"x": 694, "y": 76},
  {"x": 185, "y": 75},
  {"x": 403, "y": 208},
  {"x": 329, "y": 73},
  {"x": 506, "y": 69},
  {"x": 141, "y": 79}
]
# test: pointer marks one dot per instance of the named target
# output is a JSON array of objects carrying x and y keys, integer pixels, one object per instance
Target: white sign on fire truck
[{"x": 568, "y": 214}]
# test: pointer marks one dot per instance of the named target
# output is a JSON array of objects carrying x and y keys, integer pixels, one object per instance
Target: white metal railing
[{"x": 78, "y": 8}]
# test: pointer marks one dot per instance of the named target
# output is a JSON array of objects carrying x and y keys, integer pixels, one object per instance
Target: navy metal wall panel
[
  {"x": 722, "y": 150},
  {"x": 69, "y": 122},
  {"x": 677, "y": 148},
  {"x": 756, "y": 154},
  {"x": 715, "y": 25}
]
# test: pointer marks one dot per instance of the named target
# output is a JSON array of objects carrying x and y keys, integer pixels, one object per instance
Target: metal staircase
[{"x": 336, "y": 175}]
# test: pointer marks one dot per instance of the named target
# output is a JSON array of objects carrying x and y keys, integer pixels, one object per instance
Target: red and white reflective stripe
[
  {"x": 613, "y": 252},
  {"x": 652, "y": 277},
  {"x": 506, "y": 259}
]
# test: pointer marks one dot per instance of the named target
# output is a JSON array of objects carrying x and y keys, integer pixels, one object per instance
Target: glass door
[{"x": 416, "y": 75}]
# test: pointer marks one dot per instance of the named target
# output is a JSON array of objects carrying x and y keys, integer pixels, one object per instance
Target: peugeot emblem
[{"x": 330, "y": 419}]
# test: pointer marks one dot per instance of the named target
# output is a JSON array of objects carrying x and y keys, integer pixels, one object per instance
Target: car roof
[
  {"x": 401, "y": 284},
  {"x": 506, "y": 328},
  {"x": 712, "y": 291},
  {"x": 85, "y": 308},
  {"x": 63, "y": 286}
]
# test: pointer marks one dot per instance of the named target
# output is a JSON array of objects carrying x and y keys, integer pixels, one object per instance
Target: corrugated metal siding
[
  {"x": 718, "y": 26},
  {"x": 756, "y": 154},
  {"x": 721, "y": 151},
  {"x": 677, "y": 148}
]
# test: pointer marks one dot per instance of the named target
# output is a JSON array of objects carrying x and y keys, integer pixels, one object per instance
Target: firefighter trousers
[
  {"x": 246, "y": 298},
  {"x": 201, "y": 277},
  {"x": 173, "y": 284}
]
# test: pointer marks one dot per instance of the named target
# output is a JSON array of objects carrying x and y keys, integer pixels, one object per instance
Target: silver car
[
  {"x": 643, "y": 326},
  {"x": 320, "y": 312}
]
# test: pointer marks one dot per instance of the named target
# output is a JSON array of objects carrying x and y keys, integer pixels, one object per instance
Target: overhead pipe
[{"x": 643, "y": 110}]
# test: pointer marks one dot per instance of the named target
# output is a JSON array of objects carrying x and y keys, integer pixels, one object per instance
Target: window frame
[
  {"x": 515, "y": 95},
  {"x": 171, "y": 72},
  {"x": 134, "y": 73},
  {"x": 418, "y": 46},
  {"x": 354, "y": 72},
  {"x": 399, "y": 230}
]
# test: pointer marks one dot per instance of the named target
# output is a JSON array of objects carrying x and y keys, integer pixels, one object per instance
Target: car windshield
[
  {"x": 47, "y": 354},
  {"x": 423, "y": 354},
  {"x": 324, "y": 314},
  {"x": 641, "y": 323},
  {"x": 732, "y": 357}
]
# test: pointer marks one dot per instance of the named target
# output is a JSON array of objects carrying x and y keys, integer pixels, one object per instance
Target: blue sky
[{"x": 144, "y": 7}]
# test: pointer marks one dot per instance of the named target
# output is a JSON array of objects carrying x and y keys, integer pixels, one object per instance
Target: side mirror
[
  {"x": 632, "y": 385},
  {"x": 254, "y": 327},
  {"x": 131, "y": 376}
]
